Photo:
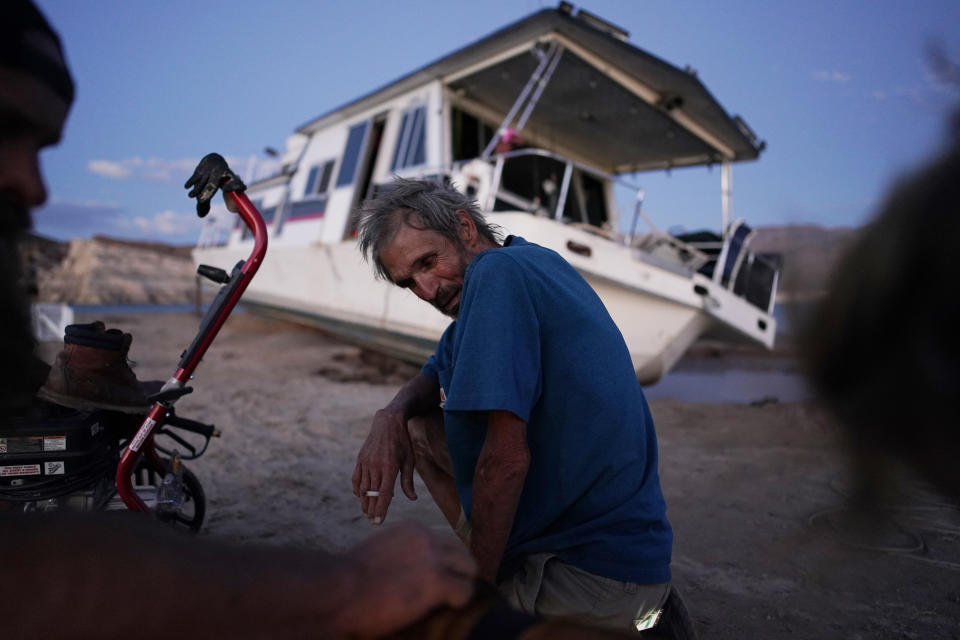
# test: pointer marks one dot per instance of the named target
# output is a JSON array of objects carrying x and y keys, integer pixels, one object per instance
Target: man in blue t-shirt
[{"x": 544, "y": 458}]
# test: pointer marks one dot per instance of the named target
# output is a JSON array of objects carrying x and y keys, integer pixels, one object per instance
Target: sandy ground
[{"x": 758, "y": 552}]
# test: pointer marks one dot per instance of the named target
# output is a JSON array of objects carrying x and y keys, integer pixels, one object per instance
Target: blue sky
[{"x": 841, "y": 91}]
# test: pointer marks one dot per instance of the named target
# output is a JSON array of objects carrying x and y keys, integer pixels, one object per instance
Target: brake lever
[{"x": 170, "y": 434}]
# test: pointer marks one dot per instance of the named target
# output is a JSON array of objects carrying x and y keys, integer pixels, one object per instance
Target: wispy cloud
[
  {"x": 70, "y": 219},
  {"x": 109, "y": 169},
  {"x": 926, "y": 94},
  {"x": 832, "y": 76},
  {"x": 66, "y": 219},
  {"x": 153, "y": 169},
  {"x": 167, "y": 223}
]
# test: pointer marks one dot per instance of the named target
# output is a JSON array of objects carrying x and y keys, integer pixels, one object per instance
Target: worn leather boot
[{"x": 91, "y": 372}]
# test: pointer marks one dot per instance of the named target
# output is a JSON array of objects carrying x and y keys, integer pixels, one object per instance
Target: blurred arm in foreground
[{"x": 130, "y": 576}]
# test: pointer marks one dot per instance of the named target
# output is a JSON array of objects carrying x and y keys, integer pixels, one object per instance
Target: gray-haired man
[{"x": 544, "y": 458}]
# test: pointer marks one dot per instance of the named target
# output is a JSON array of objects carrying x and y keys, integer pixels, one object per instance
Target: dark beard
[
  {"x": 444, "y": 295},
  {"x": 20, "y": 373}
]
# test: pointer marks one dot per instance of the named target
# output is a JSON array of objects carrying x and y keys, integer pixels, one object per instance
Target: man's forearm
[
  {"x": 498, "y": 482},
  {"x": 419, "y": 395}
]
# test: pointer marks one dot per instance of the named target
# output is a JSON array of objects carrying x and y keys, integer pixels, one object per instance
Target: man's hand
[
  {"x": 388, "y": 449},
  {"x": 386, "y": 452},
  {"x": 401, "y": 574}
]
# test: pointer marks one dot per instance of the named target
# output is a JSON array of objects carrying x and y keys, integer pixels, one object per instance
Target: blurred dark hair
[
  {"x": 29, "y": 45},
  {"x": 883, "y": 348}
]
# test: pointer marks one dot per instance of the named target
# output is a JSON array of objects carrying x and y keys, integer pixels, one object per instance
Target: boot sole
[{"x": 88, "y": 405}]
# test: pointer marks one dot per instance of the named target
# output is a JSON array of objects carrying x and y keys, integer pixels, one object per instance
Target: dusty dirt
[{"x": 761, "y": 550}]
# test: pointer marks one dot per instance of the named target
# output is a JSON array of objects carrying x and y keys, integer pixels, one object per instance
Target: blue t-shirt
[{"x": 534, "y": 339}]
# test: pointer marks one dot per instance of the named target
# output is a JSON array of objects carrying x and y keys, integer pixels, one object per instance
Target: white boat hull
[{"x": 658, "y": 311}]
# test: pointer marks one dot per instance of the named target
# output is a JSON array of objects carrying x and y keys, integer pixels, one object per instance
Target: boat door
[{"x": 364, "y": 188}]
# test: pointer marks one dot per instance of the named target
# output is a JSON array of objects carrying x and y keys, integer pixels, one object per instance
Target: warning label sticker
[
  {"x": 27, "y": 444},
  {"x": 55, "y": 443},
  {"x": 3, "y": 445},
  {"x": 53, "y": 468},
  {"x": 142, "y": 434},
  {"x": 20, "y": 470}
]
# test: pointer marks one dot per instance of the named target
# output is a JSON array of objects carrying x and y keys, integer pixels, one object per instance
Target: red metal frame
[{"x": 142, "y": 441}]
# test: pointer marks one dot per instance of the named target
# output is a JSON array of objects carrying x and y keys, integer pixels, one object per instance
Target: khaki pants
[{"x": 547, "y": 587}]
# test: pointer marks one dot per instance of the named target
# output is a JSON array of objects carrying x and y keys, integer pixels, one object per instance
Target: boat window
[
  {"x": 531, "y": 183},
  {"x": 411, "y": 143},
  {"x": 305, "y": 209},
  {"x": 469, "y": 135},
  {"x": 351, "y": 154},
  {"x": 586, "y": 201},
  {"x": 595, "y": 202},
  {"x": 318, "y": 181}
]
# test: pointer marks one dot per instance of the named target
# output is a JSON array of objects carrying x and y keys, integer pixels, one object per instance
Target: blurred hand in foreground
[{"x": 403, "y": 573}]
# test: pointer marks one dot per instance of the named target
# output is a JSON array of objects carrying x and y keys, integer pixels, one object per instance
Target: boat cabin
[
  {"x": 537, "y": 121},
  {"x": 541, "y": 116}
]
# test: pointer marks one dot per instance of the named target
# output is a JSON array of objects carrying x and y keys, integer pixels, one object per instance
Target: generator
[{"x": 47, "y": 457}]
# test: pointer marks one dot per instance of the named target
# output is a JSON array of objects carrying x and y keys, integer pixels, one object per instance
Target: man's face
[
  {"x": 33, "y": 107},
  {"x": 24, "y": 131},
  {"x": 428, "y": 264}
]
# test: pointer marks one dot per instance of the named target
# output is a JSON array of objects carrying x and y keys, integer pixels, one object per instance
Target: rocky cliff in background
[
  {"x": 809, "y": 255},
  {"x": 103, "y": 270}
]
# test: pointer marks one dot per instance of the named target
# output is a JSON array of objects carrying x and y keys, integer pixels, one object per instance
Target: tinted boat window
[
  {"x": 469, "y": 135},
  {"x": 596, "y": 201},
  {"x": 311, "y": 180},
  {"x": 325, "y": 177},
  {"x": 411, "y": 142},
  {"x": 351, "y": 154}
]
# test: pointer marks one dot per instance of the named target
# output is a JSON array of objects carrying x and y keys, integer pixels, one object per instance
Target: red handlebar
[
  {"x": 251, "y": 217},
  {"x": 208, "y": 331}
]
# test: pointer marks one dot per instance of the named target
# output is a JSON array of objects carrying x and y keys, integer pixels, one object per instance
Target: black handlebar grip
[
  {"x": 206, "y": 430},
  {"x": 213, "y": 273}
]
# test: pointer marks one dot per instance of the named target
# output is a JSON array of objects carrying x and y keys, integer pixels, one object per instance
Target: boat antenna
[
  {"x": 726, "y": 196},
  {"x": 637, "y": 214}
]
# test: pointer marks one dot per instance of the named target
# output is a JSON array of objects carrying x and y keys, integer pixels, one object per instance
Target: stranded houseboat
[{"x": 537, "y": 122}]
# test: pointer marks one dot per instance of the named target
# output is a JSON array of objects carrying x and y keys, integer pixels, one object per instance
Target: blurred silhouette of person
[
  {"x": 107, "y": 577},
  {"x": 883, "y": 348}
]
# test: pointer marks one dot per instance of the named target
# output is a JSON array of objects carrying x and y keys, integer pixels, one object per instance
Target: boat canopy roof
[{"x": 608, "y": 103}]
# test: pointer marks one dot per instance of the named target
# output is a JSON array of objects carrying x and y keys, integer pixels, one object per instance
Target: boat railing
[
  {"x": 558, "y": 208},
  {"x": 214, "y": 232},
  {"x": 489, "y": 180},
  {"x": 733, "y": 266},
  {"x": 725, "y": 259}
]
